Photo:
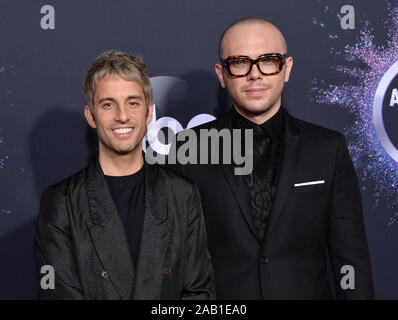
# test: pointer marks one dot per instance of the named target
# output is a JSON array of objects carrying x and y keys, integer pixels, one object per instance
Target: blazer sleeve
[
  {"x": 347, "y": 242},
  {"x": 53, "y": 246},
  {"x": 198, "y": 277}
]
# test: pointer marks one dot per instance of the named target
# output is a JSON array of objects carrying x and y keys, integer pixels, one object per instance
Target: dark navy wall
[{"x": 44, "y": 137}]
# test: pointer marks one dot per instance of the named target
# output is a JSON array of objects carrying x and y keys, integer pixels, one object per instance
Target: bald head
[{"x": 241, "y": 27}]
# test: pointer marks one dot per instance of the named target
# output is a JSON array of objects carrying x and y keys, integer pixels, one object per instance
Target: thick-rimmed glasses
[{"x": 268, "y": 64}]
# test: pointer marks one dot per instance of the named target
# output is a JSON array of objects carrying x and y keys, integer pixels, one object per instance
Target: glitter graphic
[
  {"x": 5, "y": 211},
  {"x": 3, "y": 162},
  {"x": 317, "y": 21},
  {"x": 7, "y": 74},
  {"x": 2, "y": 141},
  {"x": 3, "y": 157},
  {"x": 366, "y": 63},
  {"x": 7, "y": 78},
  {"x": 393, "y": 219}
]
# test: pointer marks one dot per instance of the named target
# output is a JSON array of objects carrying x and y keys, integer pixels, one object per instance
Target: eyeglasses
[{"x": 268, "y": 64}]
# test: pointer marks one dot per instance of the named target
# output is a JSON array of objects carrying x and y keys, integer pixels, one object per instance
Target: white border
[{"x": 378, "y": 111}]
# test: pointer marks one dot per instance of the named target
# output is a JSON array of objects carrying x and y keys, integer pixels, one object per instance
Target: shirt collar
[{"x": 273, "y": 126}]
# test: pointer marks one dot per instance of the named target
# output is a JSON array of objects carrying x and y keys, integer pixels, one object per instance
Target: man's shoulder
[
  {"x": 73, "y": 182},
  {"x": 316, "y": 132},
  {"x": 173, "y": 179},
  {"x": 55, "y": 200},
  {"x": 214, "y": 124}
]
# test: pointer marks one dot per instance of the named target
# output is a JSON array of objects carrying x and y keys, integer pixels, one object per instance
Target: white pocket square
[{"x": 309, "y": 183}]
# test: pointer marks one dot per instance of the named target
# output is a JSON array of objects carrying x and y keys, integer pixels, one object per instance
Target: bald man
[{"x": 271, "y": 232}]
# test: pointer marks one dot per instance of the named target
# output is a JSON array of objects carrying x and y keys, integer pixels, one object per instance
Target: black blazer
[
  {"x": 79, "y": 233},
  {"x": 306, "y": 222}
]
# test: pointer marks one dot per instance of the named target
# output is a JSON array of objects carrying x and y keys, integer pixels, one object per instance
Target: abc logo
[
  {"x": 168, "y": 93},
  {"x": 385, "y": 111}
]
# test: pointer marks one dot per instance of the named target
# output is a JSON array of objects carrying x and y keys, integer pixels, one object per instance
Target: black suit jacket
[
  {"x": 305, "y": 224},
  {"x": 79, "y": 233}
]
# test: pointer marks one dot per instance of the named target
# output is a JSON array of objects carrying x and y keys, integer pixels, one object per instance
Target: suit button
[
  {"x": 264, "y": 260},
  {"x": 104, "y": 275}
]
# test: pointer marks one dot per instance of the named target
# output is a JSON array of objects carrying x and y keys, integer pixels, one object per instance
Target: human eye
[
  {"x": 268, "y": 59},
  {"x": 239, "y": 61},
  {"x": 107, "y": 105},
  {"x": 133, "y": 104}
]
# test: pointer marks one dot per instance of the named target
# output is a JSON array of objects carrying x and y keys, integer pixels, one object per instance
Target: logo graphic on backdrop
[
  {"x": 372, "y": 98},
  {"x": 385, "y": 111},
  {"x": 168, "y": 94},
  {"x": 162, "y": 89}
]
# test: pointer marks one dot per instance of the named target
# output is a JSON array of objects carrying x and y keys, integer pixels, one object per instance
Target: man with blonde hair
[{"x": 120, "y": 228}]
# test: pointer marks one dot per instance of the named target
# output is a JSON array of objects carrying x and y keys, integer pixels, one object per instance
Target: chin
[
  {"x": 256, "y": 109},
  {"x": 122, "y": 150}
]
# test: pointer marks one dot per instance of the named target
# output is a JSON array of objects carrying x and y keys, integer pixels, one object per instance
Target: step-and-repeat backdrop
[{"x": 344, "y": 77}]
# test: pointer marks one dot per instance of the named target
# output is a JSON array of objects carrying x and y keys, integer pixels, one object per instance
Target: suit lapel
[
  {"x": 236, "y": 184},
  {"x": 290, "y": 154},
  {"x": 107, "y": 232},
  {"x": 155, "y": 237}
]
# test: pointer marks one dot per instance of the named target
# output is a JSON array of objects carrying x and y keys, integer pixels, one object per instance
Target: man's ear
[
  {"x": 218, "y": 69},
  {"x": 289, "y": 66},
  {"x": 150, "y": 113},
  {"x": 89, "y": 117}
]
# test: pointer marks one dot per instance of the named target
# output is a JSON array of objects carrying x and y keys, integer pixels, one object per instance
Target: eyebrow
[{"x": 136, "y": 97}]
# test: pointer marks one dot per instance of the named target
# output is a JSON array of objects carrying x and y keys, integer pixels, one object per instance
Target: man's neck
[
  {"x": 120, "y": 165},
  {"x": 259, "y": 118}
]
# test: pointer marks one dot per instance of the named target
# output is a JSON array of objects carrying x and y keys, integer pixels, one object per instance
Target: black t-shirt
[{"x": 128, "y": 192}]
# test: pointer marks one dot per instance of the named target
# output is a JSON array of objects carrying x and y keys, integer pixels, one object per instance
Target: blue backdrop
[{"x": 342, "y": 59}]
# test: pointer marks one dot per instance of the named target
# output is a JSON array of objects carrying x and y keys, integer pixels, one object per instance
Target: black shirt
[
  {"x": 261, "y": 184},
  {"x": 128, "y": 192}
]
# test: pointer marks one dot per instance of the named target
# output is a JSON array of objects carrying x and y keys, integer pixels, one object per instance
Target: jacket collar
[
  {"x": 288, "y": 120},
  {"x": 100, "y": 195},
  {"x": 291, "y": 144},
  {"x": 291, "y": 147},
  {"x": 273, "y": 126}
]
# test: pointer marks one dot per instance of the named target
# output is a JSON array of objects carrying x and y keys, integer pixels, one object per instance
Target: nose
[
  {"x": 122, "y": 114},
  {"x": 254, "y": 73}
]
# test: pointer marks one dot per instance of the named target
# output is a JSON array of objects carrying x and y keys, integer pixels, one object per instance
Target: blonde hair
[{"x": 113, "y": 62}]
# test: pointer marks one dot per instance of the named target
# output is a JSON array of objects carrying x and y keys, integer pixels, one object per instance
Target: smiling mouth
[{"x": 124, "y": 132}]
